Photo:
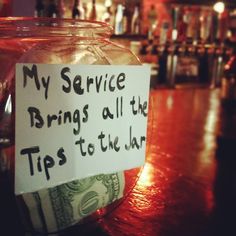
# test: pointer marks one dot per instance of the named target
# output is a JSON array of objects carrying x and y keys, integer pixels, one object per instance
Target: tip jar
[{"x": 57, "y": 41}]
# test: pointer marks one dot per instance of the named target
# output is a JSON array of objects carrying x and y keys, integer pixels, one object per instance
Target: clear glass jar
[{"x": 53, "y": 41}]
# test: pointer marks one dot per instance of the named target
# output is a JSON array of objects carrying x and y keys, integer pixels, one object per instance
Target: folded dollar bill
[{"x": 54, "y": 209}]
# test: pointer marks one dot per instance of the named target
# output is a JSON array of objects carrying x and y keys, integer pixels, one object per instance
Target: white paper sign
[{"x": 76, "y": 121}]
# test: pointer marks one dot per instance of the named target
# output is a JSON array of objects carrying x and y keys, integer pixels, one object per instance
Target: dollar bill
[{"x": 57, "y": 208}]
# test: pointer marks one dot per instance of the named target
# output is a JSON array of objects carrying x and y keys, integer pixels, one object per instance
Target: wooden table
[{"x": 187, "y": 187}]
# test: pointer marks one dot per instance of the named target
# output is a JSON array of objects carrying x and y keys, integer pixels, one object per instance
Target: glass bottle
[
  {"x": 107, "y": 16},
  {"x": 119, "y": 20},
  {"x": 51, "y": 10},
  {"x": 175, "y": 16},
  {"x": 78, "y": 11},
  {"x": 39, "y": 8},
  {"x": 205, "y": 28},
  {"x": 85, "y": 8},
  {"x": 93, "y": 13},
  {"x": 61, "y": 8},
  {"x": 152, "y": 21},
  {"x": 127, "y": 17},
  {"x": 164, "y": 33},
  {"x": 135, "y": 22}
]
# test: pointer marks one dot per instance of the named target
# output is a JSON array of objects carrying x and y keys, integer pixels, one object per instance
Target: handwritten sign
[{"x": 76, "y": 121}]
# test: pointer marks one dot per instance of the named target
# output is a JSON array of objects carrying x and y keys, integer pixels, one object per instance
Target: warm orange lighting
[
  {"x": 146, "y": 178},
  {"x": 169, "y": 102},
  {"x": 219, "y": 7}
]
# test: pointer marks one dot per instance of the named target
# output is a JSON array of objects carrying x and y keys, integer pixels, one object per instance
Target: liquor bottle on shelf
[
  {"x": 205, "y": 25},
  {"x": 181, "y": 26},
  {"x": 85, "y": 8},
  {"x": 61, "y": 8},
  {"x": 119, "y": 20},
  {"x": 75, "y": 10},
  {"x": 126, "y": 18},
  {"x": 39, "y": 8},
  {"x": 175, "y": 16},
  {"x": 51, "y": 10},
  {"x": 217, "y": 68},
  {"x": 78, "y": 11},
  {"x": 135, "y": 22},
  {"x": 93, "y": 12},
  {"x": 163, "y": 33},
  {"x": 192, "y": 19},
  {"x": 196, "y": 26},
  {"x": 223, "y": 26},
  {"x": 152, "y": 21},
  {"x": 187, "y": 18},
  {"x": 214, "y": 27},
  {"x": 107, "y": 16}
]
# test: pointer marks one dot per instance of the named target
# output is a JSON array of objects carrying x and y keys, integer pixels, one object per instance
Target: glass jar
[{"x": 54, "y": 41}]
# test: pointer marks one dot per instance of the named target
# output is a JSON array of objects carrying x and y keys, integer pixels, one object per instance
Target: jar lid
[{"x": 53, "y": 27}]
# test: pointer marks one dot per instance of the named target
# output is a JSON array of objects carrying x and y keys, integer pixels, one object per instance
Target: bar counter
[{"x": 187, "y": 186}]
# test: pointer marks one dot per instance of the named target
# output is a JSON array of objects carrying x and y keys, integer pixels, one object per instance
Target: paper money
[{"x": 57, "y": 208}]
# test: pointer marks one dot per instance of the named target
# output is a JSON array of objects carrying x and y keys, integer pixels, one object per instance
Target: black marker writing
[
  {"x": 138, "y": 107},
  {"x": 99, "y": 83},
  {"x": 134, "y": 142},
  {"x": 48, "y": 161},
  {"x": 82, "y": 145},
  {"x": 33, "y": 74},
  {"x": 107, "y": 143},
  {"x": 38, "y": 120}
]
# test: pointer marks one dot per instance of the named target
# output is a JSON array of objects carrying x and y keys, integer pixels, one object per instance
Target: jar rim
[{"x": 53, "y": 27}]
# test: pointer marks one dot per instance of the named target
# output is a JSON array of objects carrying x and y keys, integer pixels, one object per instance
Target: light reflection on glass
[
  {"x": 8, "y": 107},
  {"x": 142, "y": 200},
  {"x": 146, "y": 178}
]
